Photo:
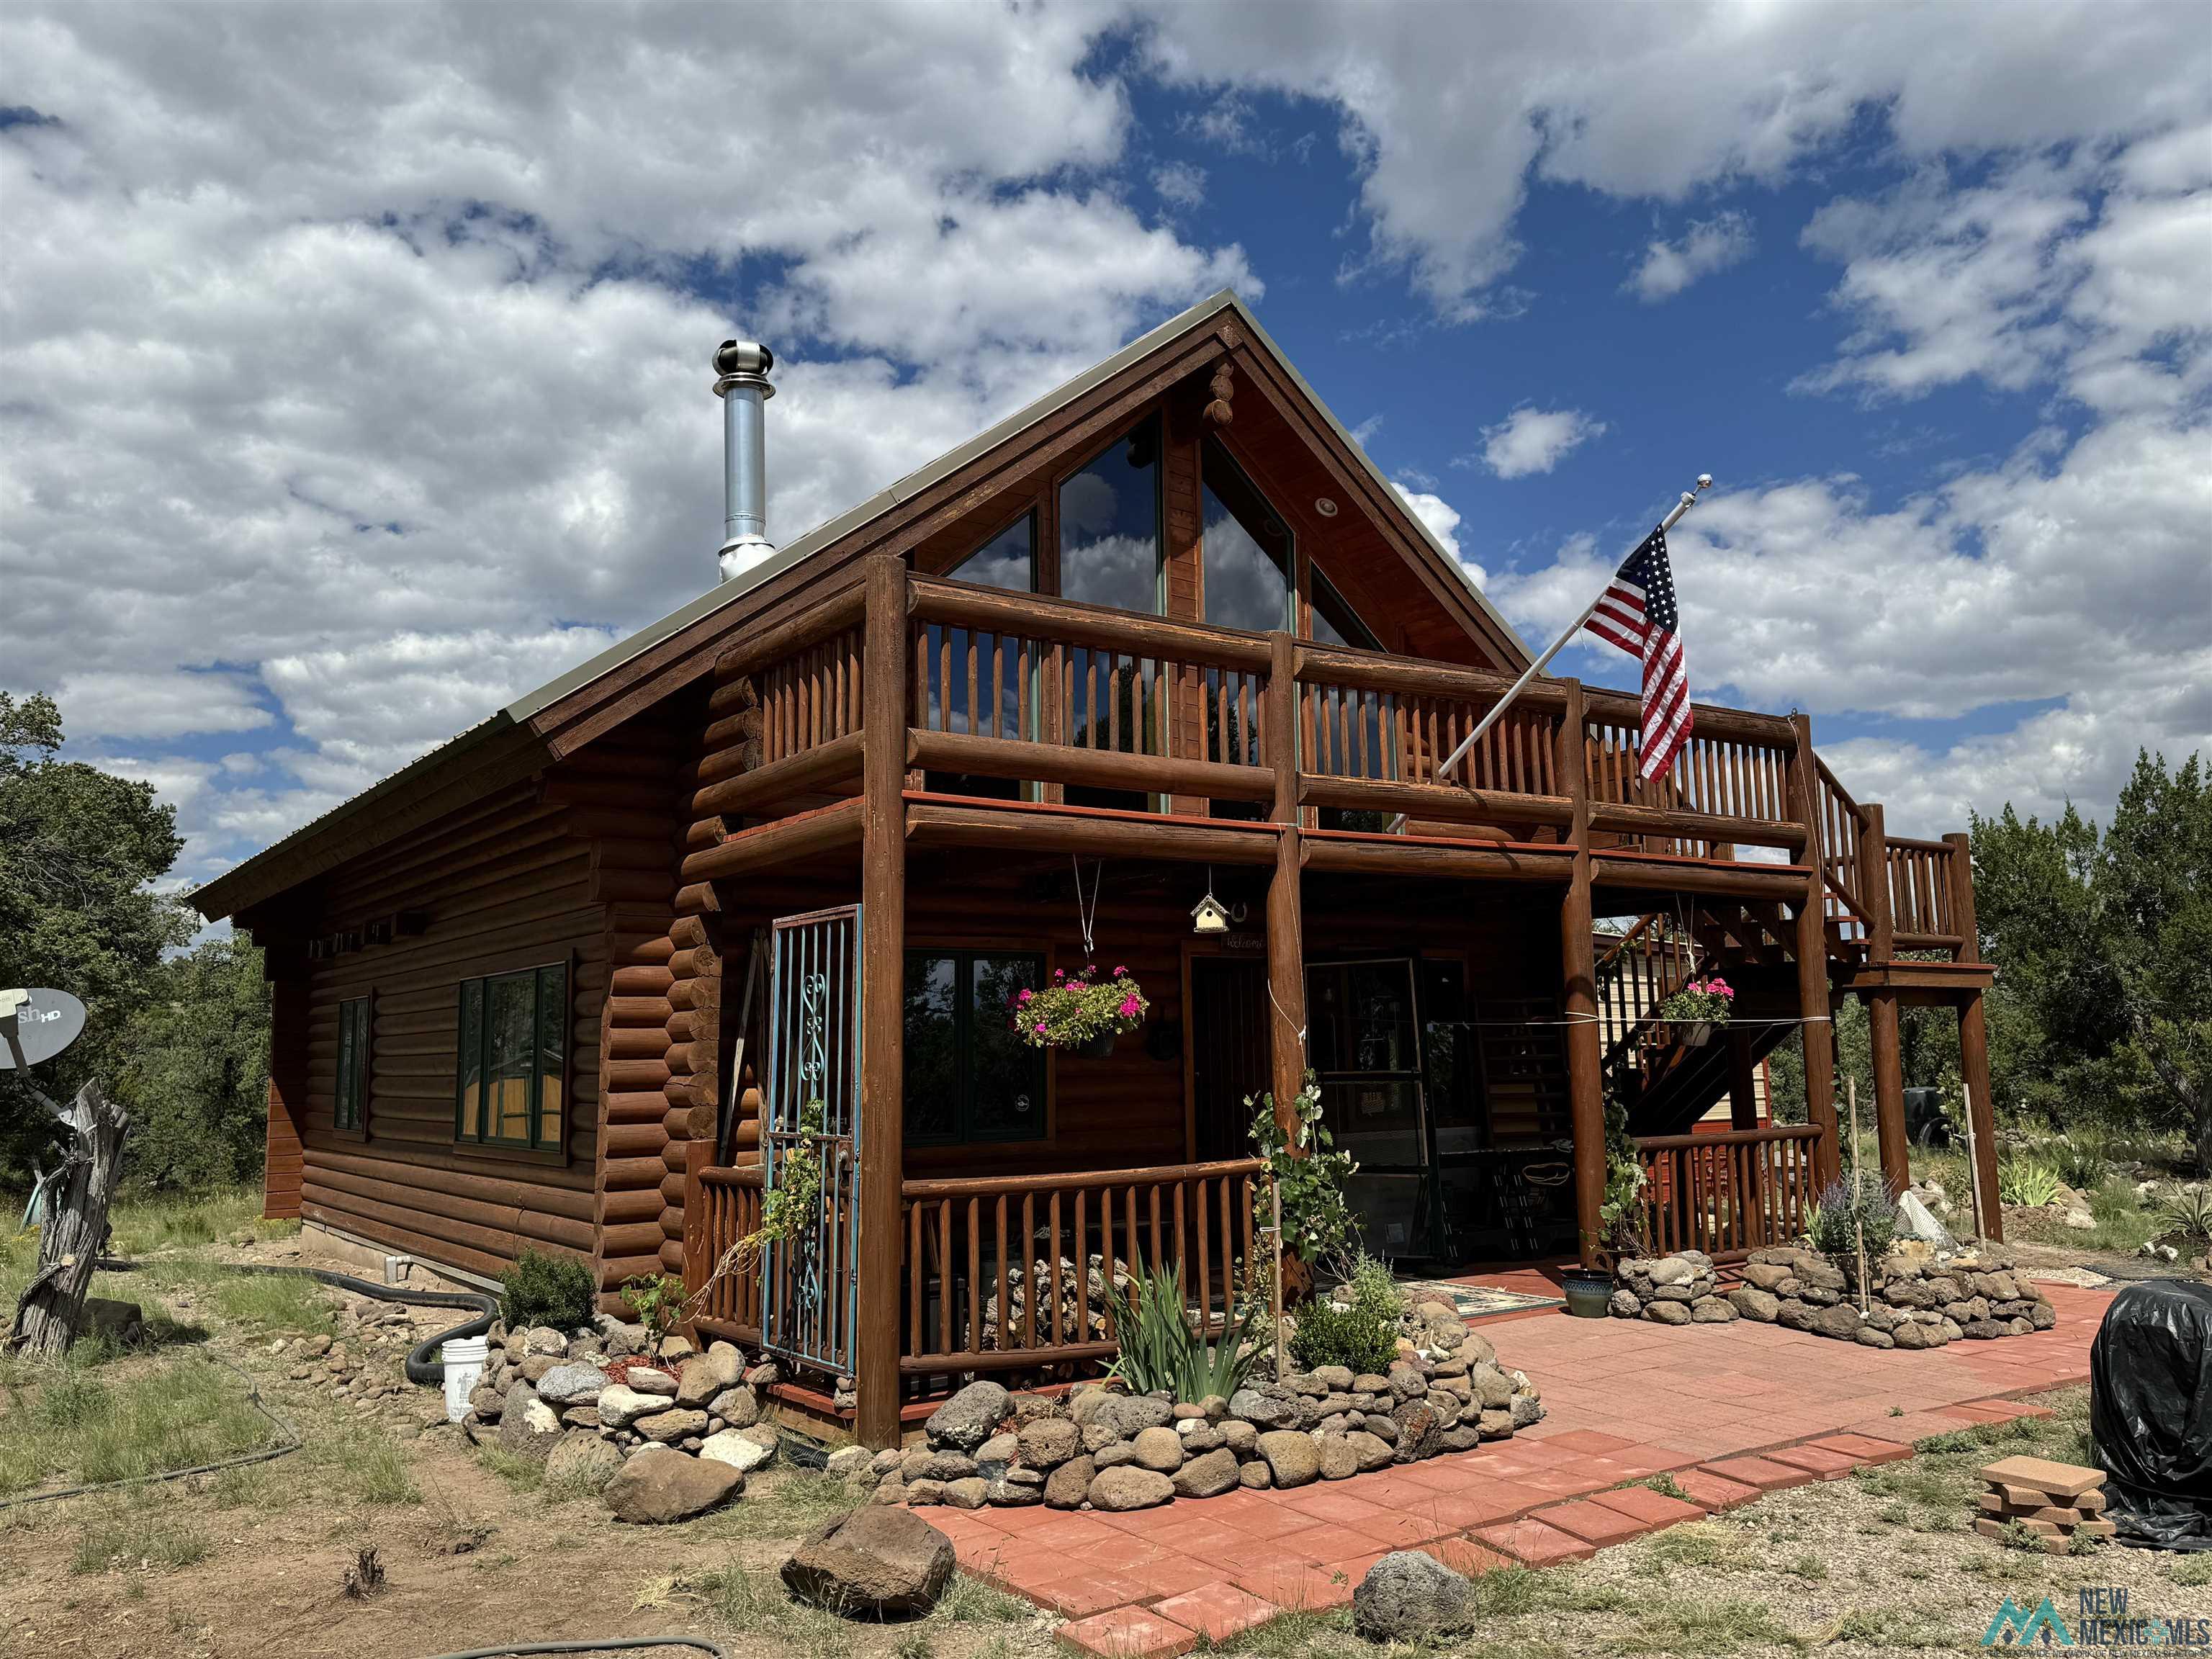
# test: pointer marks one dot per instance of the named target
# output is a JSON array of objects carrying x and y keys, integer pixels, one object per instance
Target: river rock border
[
  {"x": 1100, "y": 1448},
  {"x": 1918, "y": 1297}
]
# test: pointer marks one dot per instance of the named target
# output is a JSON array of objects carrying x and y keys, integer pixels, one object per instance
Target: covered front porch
[{"x": 1443, "y": 975}]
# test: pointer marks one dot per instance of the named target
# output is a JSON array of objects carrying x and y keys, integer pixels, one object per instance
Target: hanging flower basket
[
  {"x": 1079, "y": 1011},
  {"x": 1697, "y": 1008}
]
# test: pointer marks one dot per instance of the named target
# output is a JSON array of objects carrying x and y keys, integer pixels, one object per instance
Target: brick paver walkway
[{"x": 1730, "y": 1410}]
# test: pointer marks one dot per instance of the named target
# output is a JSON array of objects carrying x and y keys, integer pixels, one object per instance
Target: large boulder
[
  {"x": 879, "y": 1562},
  {"x": 1292, "y": 1458},
  {"x": 1412, "y": 1598},
  {"x": 1045, "y": 1442},
  {"x": 657, "y": 1486},
  {"x": 969, "y": 1418},
  {"x": 620, "y": 1406},
  {"x": 1754, "y": 1303},
  {"x": 1159, "y": 1449},
  {"x": 1068, "y": 1486}
]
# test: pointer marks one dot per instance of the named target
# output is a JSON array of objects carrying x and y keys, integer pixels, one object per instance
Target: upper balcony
[{"x": 1030, "y": 722}]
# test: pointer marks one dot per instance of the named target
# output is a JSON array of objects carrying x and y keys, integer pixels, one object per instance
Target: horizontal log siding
[{"x": 504, "y": 885}]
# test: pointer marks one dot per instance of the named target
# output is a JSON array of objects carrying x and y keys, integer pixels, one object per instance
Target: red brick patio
[{"x": 1730, "y": 1410}]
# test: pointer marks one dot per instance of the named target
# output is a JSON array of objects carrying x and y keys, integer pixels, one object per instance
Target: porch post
[
  {"x": 883, "y": 1021},
  {"x": 1578, "y": 989},
  {"x": 1815, "y": 1007},
  {"x": 1743, "y": 1081},
  {"x": 1974, "y": 1037},
  {"x": 1286, "y": 972},
  {"x": 1889, "y": 1090}
]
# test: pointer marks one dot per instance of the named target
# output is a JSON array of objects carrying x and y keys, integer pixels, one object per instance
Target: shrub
[
  {"x": 2083, "y": 1158},
  {"x": 1161, "y": 1350},
  {"x": 1848, "y": 1204},
  {"x": 547, "y": 1290},
  {"x": 1361, "y": 1336},
  {"x": 2188, "y": 1211},
  {"x": 2027, "y": 1181},
  {"x": 1308, "y": 1173}
]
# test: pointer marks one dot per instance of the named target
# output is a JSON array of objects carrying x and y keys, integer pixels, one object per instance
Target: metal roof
[{"x": 532, "y": 703}]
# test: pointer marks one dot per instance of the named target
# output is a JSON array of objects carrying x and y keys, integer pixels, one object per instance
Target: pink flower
[
  {"x": 1039, "y": 1026},
  {"x": 1119, "y": 972},
  {"x": 1128, "y": 1009},
  {"x": 1026, "y": 995}
]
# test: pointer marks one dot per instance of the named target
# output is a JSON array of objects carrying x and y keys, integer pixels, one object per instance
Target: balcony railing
[
  {"x": 1729, "y": 1195},
  {"x": 1047, "y": 700}
]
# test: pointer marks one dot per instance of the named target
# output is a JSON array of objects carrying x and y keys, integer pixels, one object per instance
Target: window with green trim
[
  {"x": 969, "y": 1077},
  {"x": 513, "y": 1090},
  {"x": 357, "y": 1030}
]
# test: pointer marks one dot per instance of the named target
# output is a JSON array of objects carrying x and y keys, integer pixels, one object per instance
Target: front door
[
  {"x": 1363, "y": 1036},
  {"x": 1228, "y": 1059}
]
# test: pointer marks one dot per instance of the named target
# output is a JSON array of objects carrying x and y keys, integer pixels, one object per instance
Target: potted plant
[
  {"x": 1590, "y": 1290},
  {"x": 1698, "y": 1007},
  {"x": 1079, "y": 1011}
]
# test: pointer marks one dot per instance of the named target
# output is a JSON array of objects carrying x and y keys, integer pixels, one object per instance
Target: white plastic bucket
[{"x": 465, "y": 1363}]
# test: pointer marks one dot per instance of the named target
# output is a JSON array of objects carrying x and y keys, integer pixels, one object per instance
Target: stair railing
[{"x": 1636, "y": 974}]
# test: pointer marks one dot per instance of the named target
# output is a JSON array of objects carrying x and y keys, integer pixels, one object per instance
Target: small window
[
  {"x": 1008, "y": 560},
  {"x": 1109, "y": 526},
  {"x": 512, "y": 1081},
  {"x": 357, "y": 1030},
  {"x": 969, "y": 1077}
]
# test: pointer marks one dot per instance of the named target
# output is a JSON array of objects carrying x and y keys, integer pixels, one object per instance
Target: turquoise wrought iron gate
[{"x": 811, "y": 1114}]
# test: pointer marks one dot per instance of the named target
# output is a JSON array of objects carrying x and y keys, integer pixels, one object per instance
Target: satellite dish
[{"x": 35, "y": 1025}]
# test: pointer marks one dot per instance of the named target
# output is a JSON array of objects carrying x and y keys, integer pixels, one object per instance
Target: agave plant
[
  {"x": 2188, "y": 1210},
  {"x": 1161, "y": 1353},
  {"x": 2027, "y": 1181}
]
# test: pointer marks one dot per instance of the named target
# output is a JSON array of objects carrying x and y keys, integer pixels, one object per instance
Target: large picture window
[
  {"x": 356, "y": 1031},
  {"x": 512, "y": 1085},
  {"x": 969, "y": 1077},
  {"x": 1109, "y": 526}
]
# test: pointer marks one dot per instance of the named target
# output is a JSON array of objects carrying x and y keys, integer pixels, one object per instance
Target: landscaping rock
[
  {"x": 1410, "y": 1597},
  {"x": 1254, "y": 1476},
  {"x": 1292, "y": 1459},
  {"x": 972, "y": 1493},
  {"x": 876, "y": 1563},
  {"x": 847, "y": 1462},
  {"x": 740, "y": 1407},
  {"x": 648, "y": 1379},
  {"x": 1711, "y": 1310},
  {"x": 1418, "y": 1432},
  {"x": 1270, "y": 1410},
  {"x": 969, "y": 1418},
  {"x": 1839, "y": 1321},
  {"x": 528, "y": 1427},
  {"x": 1753, "y": 1303},
  {"x": 1209, "y": 1475},
  {"x": 1668, "y": 1312},
  {"x": 669, "y": 1426},
  {"x": 1068, "y": 1486},
  {"x": 1372, "y": 1451},
  {"x": 1158, "y": 1448},
  {"x": 736, "y": 1450},
  {"x": 582, "y": 1462},
  {"x": 572, "y": 1385},
  {"x": 1129, "y": 1487},
  {"x": 1622, "y": 1303},
  {"x": 659, "y": 1486},
  {"x": 1340, "y": 1460},
  {"x": 1048, "y": 1441}
]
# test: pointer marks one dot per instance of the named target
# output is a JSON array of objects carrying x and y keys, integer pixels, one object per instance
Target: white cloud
[
  {"x": 363, "y": 350},
  {"x": 1180, "y": 183},
  {"x": 1442, "y": 520},
  {"x": 1709, "y": 246},
  {"x": 1532, "y": 439}
]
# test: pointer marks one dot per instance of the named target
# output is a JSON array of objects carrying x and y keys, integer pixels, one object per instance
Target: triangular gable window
[
  {"x": 1335, "y": 620},
  {"x": 1008, "y": 560}
]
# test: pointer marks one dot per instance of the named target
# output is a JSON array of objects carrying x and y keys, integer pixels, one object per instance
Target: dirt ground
[{"x": 254, "y": 1563}]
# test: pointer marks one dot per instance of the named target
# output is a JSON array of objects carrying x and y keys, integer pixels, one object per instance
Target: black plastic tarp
[{"x": 2150, "y": 1412}]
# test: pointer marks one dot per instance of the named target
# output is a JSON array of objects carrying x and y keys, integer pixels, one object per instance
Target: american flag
[{"x": 1637, "y": 613}]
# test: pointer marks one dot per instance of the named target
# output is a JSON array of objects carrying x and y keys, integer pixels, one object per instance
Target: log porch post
[
  {"x": 1815, "y": 1004},
  {"x": 883, "y": 1020},
  {"x": 1743, "y": 1082},
  {"x": 1974, "y": 1038},
  {"x": 1286, "y": 972},
  {"x": 1578, "y": 989},
  {"x": 1884, "y": 1036}
]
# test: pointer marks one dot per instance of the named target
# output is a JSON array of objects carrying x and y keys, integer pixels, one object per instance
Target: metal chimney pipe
[{"x": 743, "y": 386}]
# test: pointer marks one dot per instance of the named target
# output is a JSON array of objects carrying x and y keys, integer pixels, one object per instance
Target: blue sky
[{"x": 357, "y": 357}]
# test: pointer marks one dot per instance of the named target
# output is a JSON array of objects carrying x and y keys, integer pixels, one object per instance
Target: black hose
[
  {"x": 421, "y": 1367},
  {"x": 612, "y": 1645}
]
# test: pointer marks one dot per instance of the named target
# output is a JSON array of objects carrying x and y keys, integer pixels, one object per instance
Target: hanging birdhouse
[{"x": 1209, "y": 915}]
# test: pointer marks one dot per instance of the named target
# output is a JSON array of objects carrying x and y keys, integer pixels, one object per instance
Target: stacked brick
[{"x": 2055, "y": 1502}]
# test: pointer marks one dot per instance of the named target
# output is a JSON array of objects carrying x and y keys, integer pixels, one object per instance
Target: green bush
[
  {"x": 2083, "y": 1158},
  {"x": 1162, "y": 1351},
  {"x": 1361, "y": 1336},
  {"x": 1847, "y": 1206},
  {"x": 546, "y": 1290}
]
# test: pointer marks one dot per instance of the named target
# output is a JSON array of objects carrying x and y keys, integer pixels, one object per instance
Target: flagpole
[{"x": 1689, "y": 500}]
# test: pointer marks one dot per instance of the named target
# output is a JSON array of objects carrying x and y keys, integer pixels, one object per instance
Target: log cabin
[{"x": 756, "y": 884}]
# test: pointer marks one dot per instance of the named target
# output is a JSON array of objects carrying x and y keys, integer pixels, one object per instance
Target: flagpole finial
[{"x": 1704, "y": 481}]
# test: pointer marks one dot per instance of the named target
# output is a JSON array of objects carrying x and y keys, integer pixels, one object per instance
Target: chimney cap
[{"x": 749, "y": 358}]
